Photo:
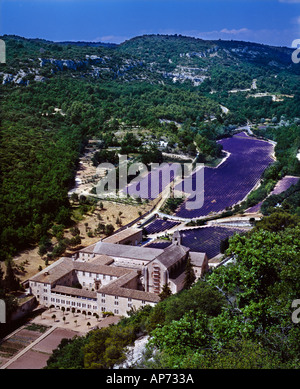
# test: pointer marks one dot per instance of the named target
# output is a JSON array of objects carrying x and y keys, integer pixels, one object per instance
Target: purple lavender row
[{"x": 233, "y": 179}]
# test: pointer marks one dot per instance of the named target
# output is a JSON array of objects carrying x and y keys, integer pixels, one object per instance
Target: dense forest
[{"x": 55, "y": 97}]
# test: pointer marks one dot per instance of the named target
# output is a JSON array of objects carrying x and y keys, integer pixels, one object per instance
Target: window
[
  {"x": 129, "y": 299},
  {"x": 129, "y": 305},
  {"x": 103, "y": 295},
  {"x": 103, "y": 301},
  {"x": 116, "y": 311},
  {"x": 116, "y": 302}
]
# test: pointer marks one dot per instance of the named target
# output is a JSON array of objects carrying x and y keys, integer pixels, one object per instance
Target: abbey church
[{"x": 115, "y": 275}]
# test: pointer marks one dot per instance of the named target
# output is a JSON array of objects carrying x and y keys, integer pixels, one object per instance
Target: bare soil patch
[
  {"x": 109, "y": 215},
  {"x": 30, "y": 360}
]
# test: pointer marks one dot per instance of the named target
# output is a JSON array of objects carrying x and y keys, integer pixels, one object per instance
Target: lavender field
[
  {"x": 202, "y": 239},
  {"x": 230, "y": 183},
  {"x": 152, "y": 184},
  {"x": 223, "y": 186},
  {"x": 284, "y": 184},
  {"x": 160, "y": 225}
]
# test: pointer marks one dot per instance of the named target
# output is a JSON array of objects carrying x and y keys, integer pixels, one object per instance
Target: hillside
[
  {"x": 57, "y": 96},
  {"x": 232, "y": 73}
]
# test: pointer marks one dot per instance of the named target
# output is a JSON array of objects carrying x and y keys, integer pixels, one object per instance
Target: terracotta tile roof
[
  {"x": 197, "y": 259},
  {"x": 118, "y": 288},
  {"x": 172, "y": 254},
  {"x": 74, "y": 291},
  {"x": 54, "y": 272},
  {"x": 100, "y": 269},
  {"x": 122, "y": 235},
  {"x": 125, "y": 251},
  {"x": 63, "y": 266},
  {"x": 178, "y": 280}
]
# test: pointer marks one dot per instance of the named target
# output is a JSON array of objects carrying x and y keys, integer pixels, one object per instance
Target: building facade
[{"x": 114, "y": 277}]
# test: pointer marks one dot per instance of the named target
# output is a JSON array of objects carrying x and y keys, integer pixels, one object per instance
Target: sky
[{"x": 273, "y": 22}]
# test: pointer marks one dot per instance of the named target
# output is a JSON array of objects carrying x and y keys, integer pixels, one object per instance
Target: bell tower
[{"x": 176, "y": 239}]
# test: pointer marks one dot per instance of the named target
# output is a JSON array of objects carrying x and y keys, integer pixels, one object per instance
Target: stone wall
[{"x": 24, "y": 308}]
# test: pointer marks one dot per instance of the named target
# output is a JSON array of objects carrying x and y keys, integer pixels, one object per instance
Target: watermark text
[{"x": 296, "y": 53}]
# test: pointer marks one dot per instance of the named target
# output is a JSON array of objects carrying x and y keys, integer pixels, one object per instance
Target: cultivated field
[
  {"x": 202, "y": 239},
  {"x": 234, "y": 179}
]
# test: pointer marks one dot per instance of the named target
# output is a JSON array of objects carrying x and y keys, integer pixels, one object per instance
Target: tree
[
  {"x": 277, "y": 221},
  {"x": 11, "y": 282},
  {"x": 109, "y": 229},
  {"x": 191, "y": 332},
  {"x": 68, "y": 354},
  {"x": 74, "y": 197},
  {"x": 106, "y": 346},
  {"x": 42, "y": 250},
  {"x": 2, "y": 285},
  {"x": 224, "y": 244},
  {"x": 63, "y": 216},
  {"x": 75, "y": 231},
  {"x": 75, "y": 240},
  {"x": 201, "y": 297},
  {"x": 166, "y": 292},
  {"x": 101, "y": 228},
  {"x": 190, "y": 276},
  {"x": 266, "y": 266}
]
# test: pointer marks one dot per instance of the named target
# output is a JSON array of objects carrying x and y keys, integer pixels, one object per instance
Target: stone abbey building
[{"x": 115, "y": 275}]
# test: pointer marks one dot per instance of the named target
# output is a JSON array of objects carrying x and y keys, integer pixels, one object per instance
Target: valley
[{"x": 231, "y": 106}]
